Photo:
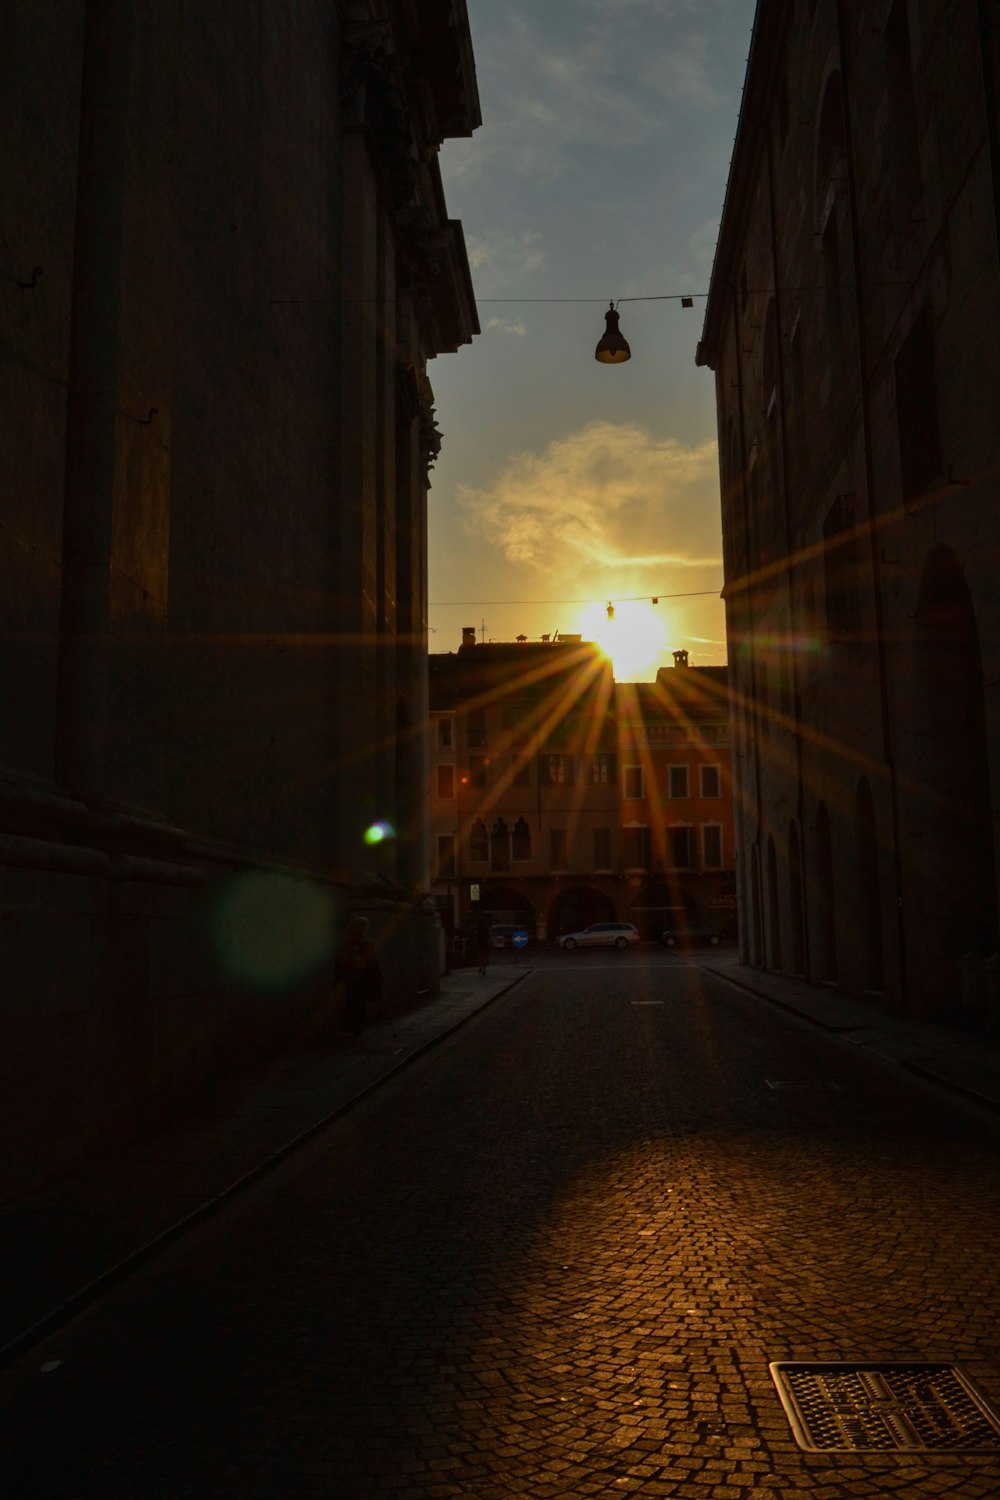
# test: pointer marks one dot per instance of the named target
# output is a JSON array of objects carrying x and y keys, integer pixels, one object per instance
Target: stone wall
[
  {"x": 856, "y": 283},
  {"x": 212, "y": 534}
]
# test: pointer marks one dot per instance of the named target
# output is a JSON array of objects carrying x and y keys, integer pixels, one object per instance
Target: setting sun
[{"x": 635, "y": 639}]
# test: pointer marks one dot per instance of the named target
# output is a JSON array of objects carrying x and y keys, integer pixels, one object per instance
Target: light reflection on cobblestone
[{"x": 555, "y": 1261}]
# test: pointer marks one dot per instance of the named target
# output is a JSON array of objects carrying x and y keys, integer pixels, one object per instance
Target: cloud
[
  {"x": 702, "y": 243},
  {"x": 670, "y": 9},
  {"x": 609, "y": 496},
  {"x": 505, "y": 325},
  {"x": 498, "y": 260},
  {"x": 681, "y": 74},
  {"x": 567, "y": 82},
  {"x": 543, "y": 100}
]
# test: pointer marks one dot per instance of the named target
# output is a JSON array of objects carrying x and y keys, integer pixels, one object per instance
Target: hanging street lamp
[{"x": 612, "y": 349}]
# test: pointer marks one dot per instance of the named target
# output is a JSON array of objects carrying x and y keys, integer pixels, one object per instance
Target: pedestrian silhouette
[
  {"x": 482, "y": 944},
  {"x": 357, "y": 968}
]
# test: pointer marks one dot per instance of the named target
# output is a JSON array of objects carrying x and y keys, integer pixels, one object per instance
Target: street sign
[{"x": 519, "y": 939}]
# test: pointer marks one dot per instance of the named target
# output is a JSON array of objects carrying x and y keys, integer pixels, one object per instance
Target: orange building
[
  {"x": 676, "y": 805},
  {"x": 559, "y": 798}
]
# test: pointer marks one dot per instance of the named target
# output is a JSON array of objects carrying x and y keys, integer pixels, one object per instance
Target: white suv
[{"x": 602, "y": 935}]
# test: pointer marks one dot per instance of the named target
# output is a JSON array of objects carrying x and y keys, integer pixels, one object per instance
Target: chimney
[
  {"x": 468, "y": 635},
  {"x": 680, "y": 658}
]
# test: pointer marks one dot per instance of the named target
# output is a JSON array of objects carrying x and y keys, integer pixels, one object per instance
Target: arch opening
[
  {"x": 773, "y": 908},
  {"x": 578, "y": 907},
  {"x": 868, "y": 892},
  {"x": 826, "y": 915},
  {"x": 957, "y": 867},
  {"x": 796, "y": 901}
]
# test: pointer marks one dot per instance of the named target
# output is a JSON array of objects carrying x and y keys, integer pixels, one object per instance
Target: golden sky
[{"x": 563, "y": 484}]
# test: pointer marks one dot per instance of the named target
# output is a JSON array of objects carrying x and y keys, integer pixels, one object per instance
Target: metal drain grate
[{"x": 879, "y": 1408}]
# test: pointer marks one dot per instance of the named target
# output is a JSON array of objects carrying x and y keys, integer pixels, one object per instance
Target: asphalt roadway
[{"x": 553, "y": 1256}]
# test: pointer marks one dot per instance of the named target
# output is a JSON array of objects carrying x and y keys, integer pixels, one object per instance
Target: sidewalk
[
  {"x": 965, "y": 1063},
  {"x": 66, "y": 1245}
]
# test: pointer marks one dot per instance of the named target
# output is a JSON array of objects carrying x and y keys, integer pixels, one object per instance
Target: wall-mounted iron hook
[
  {"x": 154, "y": 411},
  {"x": 29, "y": 286}
]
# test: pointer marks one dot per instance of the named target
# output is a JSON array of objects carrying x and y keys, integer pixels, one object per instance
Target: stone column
[{"x": 355, "y": 665}]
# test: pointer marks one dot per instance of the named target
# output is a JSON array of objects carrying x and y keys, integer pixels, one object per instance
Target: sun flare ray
[{"x": 633, "y": 635}]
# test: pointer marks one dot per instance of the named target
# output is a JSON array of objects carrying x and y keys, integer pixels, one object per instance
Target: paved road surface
[{"x": 552, "y": 1259}]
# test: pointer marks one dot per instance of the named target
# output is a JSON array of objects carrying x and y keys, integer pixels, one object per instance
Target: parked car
[
  {"x": 687, "y": 933},
  {"x": 601, "y": 935},
  {"x": 502, "y": 932}
]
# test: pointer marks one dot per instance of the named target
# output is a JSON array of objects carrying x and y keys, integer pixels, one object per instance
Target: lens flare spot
[
  {"x": 272, "y": 931},
  {"x": 379, "y": 832}
]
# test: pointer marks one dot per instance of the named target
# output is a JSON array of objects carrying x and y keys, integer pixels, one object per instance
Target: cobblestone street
[{"x": 554, "y": 1258}]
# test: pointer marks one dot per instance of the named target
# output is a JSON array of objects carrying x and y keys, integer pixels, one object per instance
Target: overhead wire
[{"x": 616, "y": 598}]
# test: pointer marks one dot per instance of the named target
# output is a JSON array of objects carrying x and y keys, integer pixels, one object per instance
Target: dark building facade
[
  {"x": 559, "y": 797},
  {"x": 851, "y": 326},
  {"x": 226, "y": 263}
]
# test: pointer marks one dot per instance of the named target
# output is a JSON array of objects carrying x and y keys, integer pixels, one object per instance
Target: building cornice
[
  {"x": 770, "y": 24},
  {"x": 403, "y": 127}
]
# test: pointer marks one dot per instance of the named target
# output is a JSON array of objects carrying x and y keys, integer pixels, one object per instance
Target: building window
[
  {"x": 559, "y": 770},
  {"x": 711, "y": 781},
  {"x": 636, "y": 848},
  {"x": 782, "y": 108},
  {"x": 515, "y": 722},
  {"x": 603, "y": 769},
  {"x": 602, "y": 848},
  {"x": 831, "y": 278},
  {"x": 916, "y": 409},
  {"x": 841, "y": 567},
  {"x": 521, "y": 840},
  {"x": 477, "y": 771},
  {"x": 904, "y": 135},
  {"x": 558, "y": 854},
  {"x": 711, "y": 846},
  {"x": 446, "y": 781},
  {"x": 444, "y": 734},
  {"x": 763, "y": 698},
  {"x": 446, "y": 856},
  {"x": 797, "y": 413},
  {"x": 678, "y": 782},
  {"x": 522, "y": 772},
  {"x": 479, "y": 842},
  {"x": 476, "y": 727},
  {"x": 769, "y": 382},
  {"x": 500, "y": 845},
  {"x": 831, "y": 154},
  {"x": 634, "y": 782},
  {"x": 680, "y": 844}
]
